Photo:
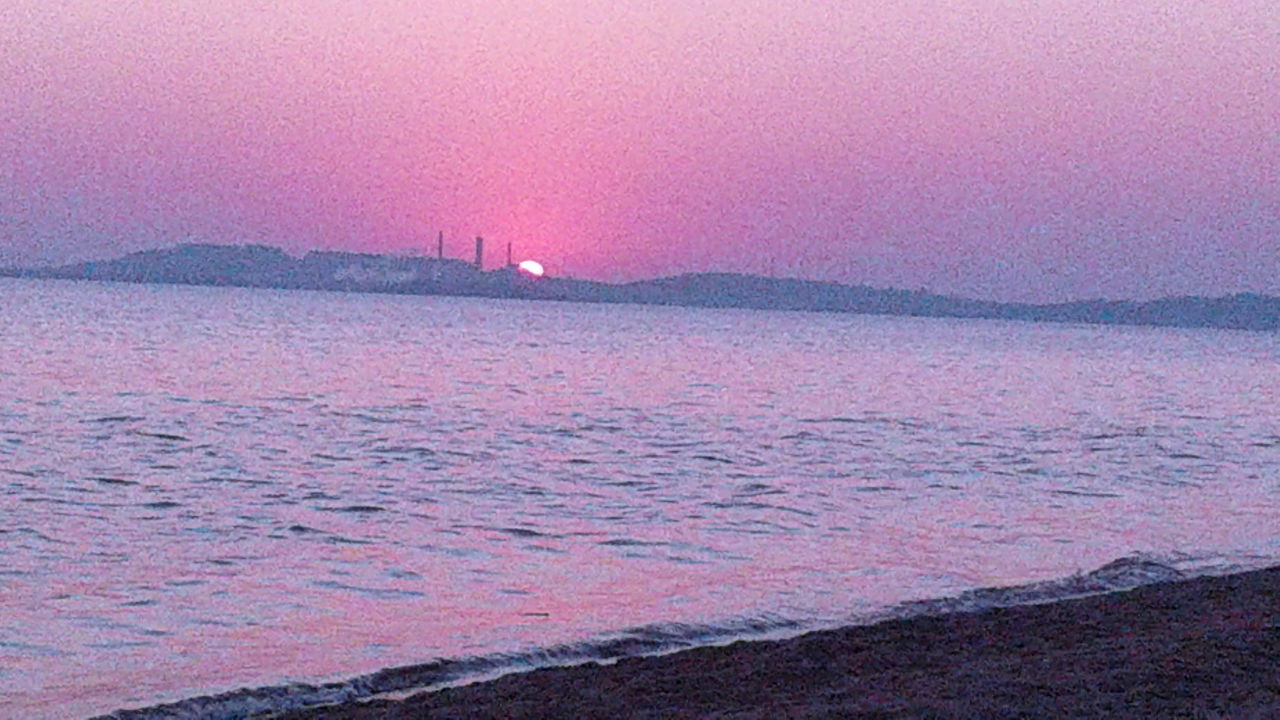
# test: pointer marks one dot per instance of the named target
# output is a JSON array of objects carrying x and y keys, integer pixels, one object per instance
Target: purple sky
[{"x": 1041, "y": 150}]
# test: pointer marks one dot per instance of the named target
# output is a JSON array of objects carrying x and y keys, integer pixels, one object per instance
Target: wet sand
[{"x": 1201, "y": 648}]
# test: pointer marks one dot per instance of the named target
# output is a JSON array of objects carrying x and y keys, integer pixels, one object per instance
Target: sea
[{"x": 219, "y": 501}]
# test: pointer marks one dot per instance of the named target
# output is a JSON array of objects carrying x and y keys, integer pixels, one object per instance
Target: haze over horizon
[{"x": 1042, "y": 151}]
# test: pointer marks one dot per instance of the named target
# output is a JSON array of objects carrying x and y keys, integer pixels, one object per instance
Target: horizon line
[{"x": 426, "y": 255}]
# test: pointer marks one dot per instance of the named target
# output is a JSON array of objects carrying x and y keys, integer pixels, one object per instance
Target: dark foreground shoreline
[{"x": 1202, "y": 648}]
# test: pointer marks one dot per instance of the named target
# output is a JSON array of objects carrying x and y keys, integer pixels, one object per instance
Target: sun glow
[{"x": 531, "y": 267}]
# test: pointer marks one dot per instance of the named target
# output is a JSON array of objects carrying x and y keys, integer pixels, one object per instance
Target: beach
[{"x": 1207, "y": 647}]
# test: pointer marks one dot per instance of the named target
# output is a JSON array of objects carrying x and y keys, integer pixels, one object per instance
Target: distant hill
[
  {"x": 260, "y": 266},
  {"x": 1243, "y": 311}
]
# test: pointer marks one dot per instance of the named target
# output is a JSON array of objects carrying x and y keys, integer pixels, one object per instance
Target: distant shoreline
[{"x": 257, "y": 266}]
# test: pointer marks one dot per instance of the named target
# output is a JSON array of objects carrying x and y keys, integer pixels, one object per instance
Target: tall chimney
[
  {"x": 508, "y": 254},
  {"x": 440, "y": 246},
  {"x": 479, "y": 253}
]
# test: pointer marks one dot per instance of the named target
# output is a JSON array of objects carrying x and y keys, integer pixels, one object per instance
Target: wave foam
[
  {"x": 1118, "y": 575},
  {"x": 1122, "y": 574}
]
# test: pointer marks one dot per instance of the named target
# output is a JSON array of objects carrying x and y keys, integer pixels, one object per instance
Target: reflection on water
[{"x": 208, "y": 488}]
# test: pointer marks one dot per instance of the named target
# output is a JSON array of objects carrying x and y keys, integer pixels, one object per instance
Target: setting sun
[{"x": 531, "y": 267}]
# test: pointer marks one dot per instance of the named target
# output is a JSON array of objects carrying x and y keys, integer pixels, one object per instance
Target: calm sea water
[{"x": 204, "y": 489}]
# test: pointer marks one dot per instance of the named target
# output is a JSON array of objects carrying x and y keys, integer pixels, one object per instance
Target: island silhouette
[{"x": 261, "y": 266}]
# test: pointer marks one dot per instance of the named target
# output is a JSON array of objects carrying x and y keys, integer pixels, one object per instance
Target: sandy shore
[{"x": 1203, "y": 648}]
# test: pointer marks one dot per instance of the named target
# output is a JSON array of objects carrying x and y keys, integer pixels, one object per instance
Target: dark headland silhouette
[{"x": 266, "y": 267}]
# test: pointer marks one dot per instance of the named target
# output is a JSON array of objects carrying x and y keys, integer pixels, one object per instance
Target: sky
[{"x": 1013, "y": 150}]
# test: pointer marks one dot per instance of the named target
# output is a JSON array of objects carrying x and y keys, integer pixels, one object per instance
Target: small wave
[
  {"x": 713, "y": 458},
  {"x": 232, "y": 480},
  {"x": 366, "y": 417},
  {"x": 369, "y": 592},
  {"x": 1122, "y": 574},
  {"x": 522, "y": 532},
  {"x": 31, "y": 649},
  {"x": 630, "y": 542},
  {"x": 343, "y": 540},
  {"x": 751, "y": 489},
  {"x": 647, "y": 640},
  {"x": 751, "y": 505},
  {"x": 114, "y": 481},
  {"x": 905, "y": 423},
  {"x": 404, "y": 450},
  {"x": 332, "y": 458},
  {"x": 305, "y": 530},
  {"x": 288, "y": 399},
  {"x": 360, "y": 509},
  {"x": 33, "y": 533},
  {"x": 1087, "y": 493},
  {"x": 162, "y": 436}
]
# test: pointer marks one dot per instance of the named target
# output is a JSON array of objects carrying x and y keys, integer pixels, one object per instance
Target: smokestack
[
  {"x": 440, "y": 246},
  {"x": 479, "y": 253},
  {"x": 509, "y": 255}
]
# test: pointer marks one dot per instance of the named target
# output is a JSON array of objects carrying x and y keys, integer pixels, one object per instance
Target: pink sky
[{"x": 1043, "y": 150}]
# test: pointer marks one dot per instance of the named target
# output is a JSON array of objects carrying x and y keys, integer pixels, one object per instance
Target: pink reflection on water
[{"x": 215, "y": 488}]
